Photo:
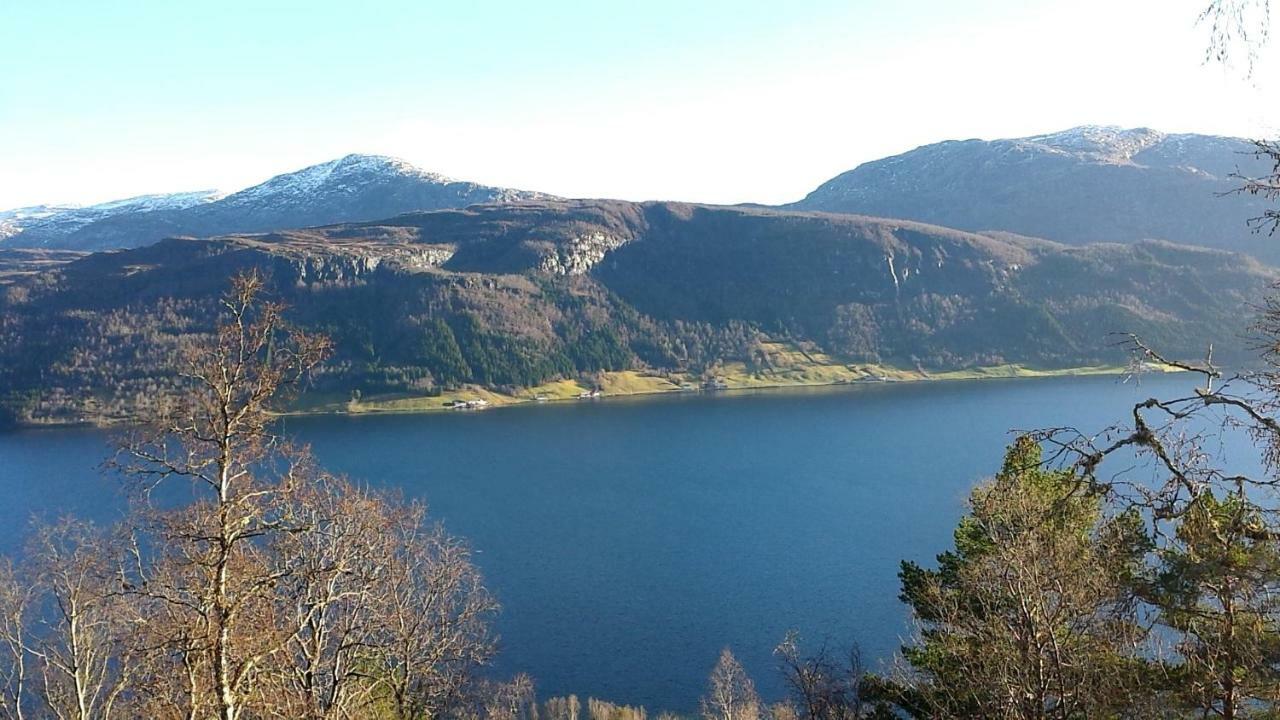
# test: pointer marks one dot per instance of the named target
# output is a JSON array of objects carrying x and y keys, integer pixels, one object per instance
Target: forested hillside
[{"x": 508, "y": 296}]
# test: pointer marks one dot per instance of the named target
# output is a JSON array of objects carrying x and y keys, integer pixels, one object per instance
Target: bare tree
[
  {"x": 1265, "y": 185},
  {"x": 563, "y": 708},
  {"x": 783, "y": 711},
  {"x": 85, "y": 659},
  {"x": 823, "y": 685},
  {"x": 435, "y": 613},
  {"x": 511, "y": 700},
  {"x": 1174, "y": 432},
  {"x": 731, "y": 695},
  {"x": 1243, "y": 27},
  {"x": 602, "y": 710},
  {"x": 16, "y": 599},
  {"x": 382, "y": 609},
  {"x": 282, "y": 591},
  {"x": 216, "y": 435},
  {"x": 1236, "y": 27},
  {"x": 328, "y": 602}
]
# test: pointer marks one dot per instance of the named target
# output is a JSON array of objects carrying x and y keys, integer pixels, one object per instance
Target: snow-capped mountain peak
[
  {"x": 1086, "y": 184},
  {"x": 352, "y": 188},
  {"x": 357, "y": 163},
  {"x": 1104, "y": 143},
  {"x": 349, "y": 172}
]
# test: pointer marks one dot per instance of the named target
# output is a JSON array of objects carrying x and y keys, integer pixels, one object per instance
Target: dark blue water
[{"x": 629, "y": 541}]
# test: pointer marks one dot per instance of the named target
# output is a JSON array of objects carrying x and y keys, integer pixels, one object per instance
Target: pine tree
[
  {"x": 1030, "y": 616},
  {"x": 1216, "y": 590}
]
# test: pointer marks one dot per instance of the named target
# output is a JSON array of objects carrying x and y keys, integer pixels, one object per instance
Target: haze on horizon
[{"x": 724, "y": 102}]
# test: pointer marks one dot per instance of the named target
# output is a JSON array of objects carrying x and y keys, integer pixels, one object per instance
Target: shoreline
[{"x": 637, "y": 385}]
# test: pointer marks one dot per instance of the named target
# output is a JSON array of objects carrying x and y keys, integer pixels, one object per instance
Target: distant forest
[{"x": 508, "y": 297}]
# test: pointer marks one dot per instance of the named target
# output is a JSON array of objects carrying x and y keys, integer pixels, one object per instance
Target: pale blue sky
[{"x": 704, "y": 101}]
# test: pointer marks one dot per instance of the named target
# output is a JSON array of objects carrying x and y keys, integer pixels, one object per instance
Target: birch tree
[{"x": 731, "y": 695}]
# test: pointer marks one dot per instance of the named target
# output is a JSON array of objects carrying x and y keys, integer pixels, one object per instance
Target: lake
[{"x": 630, "y": 540}]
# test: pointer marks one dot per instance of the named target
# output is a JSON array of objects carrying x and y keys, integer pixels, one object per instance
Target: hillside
[
  {"x": 352, "y": 188},
  {"x": 517, "y": 295},
  {"x": 1088, "y": 184}
]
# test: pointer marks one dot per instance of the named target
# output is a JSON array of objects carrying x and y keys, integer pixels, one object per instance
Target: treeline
[
  {"x": 427, "y": 333},
  {"x": 420, "y": 335},
  {"x": 821, "y": 686}
]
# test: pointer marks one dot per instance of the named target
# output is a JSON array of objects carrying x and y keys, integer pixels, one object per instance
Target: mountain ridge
[
  {"x": 67, "y": 219},
  {"x": 351, "y": 188},
  {"x": 1086, "y": 184},
  {"x": 1082, "y": 185}
]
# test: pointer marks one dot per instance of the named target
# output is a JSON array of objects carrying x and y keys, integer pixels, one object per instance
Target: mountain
[
  {"x": 39, "y": 224},
  {"x": 508, "y": 296},
  {"x": 349, "y": 189},
  {"x": 1087, "y": 184},
  {"x": 12, "y": 221},
  {"x": 1084, "y": 185}
]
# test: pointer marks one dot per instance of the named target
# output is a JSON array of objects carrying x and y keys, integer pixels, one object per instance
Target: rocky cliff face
[
  {"x": 579, "y": 254},
  {"x": 1088, "y": 184}
]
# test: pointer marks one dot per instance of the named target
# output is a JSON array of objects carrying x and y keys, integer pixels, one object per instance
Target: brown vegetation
[{"x": 280, "y": 591}]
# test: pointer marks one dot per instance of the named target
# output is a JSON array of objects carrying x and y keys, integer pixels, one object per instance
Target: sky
[{"x": 697, "y": 100}]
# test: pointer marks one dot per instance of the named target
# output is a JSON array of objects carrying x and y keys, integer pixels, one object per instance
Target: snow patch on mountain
[
  {"x": 342, "y": 176},
  {"x": 66, "y": 219},
  {"x": 1105, "y": 143},
  {"x": 354, "y": 188},
  {"x": 1092, "y": 183},
  {"x": 162, "y": 201}
]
